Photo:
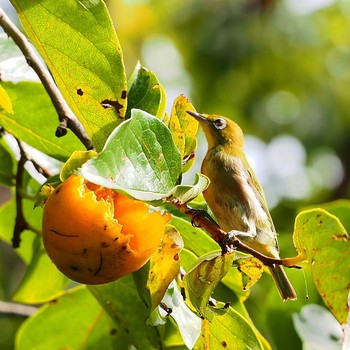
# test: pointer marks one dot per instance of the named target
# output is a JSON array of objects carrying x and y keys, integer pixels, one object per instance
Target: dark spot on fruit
[
  {"x": 173, "y": 246},
  {"x": 100, "y": 265},
  {"x": 84, "y": 251},
  {"x": 104, "y": 244},
  {"x": 80, "y": 92},
  {"x": 124, "y": 93},
  {"x": 58, "y": 191},
  {"x": 176, "y": 257},
  {"x": 74, "y": 268},
  {"x": 104, "y": 227},
  {"x": 115, "y": 239},
  {"x": 62, "y": 234},
  {"x": 224, "y": 344},
  {"x": 90, "y": 269}
]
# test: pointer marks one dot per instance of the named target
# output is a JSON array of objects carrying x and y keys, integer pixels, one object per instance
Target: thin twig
[
  {"x": 66, "y": 116},
  {"x": 21, "y": 223},
  {"x": 227, "y": 242}
]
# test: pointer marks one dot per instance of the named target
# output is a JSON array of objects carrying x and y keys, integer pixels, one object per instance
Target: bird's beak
[{"x": 198, "y": 116}]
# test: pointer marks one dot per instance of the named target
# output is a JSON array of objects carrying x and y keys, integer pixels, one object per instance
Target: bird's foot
[
  {"x": 241, "y": 234},
  {"x": 199, "y": 213}
]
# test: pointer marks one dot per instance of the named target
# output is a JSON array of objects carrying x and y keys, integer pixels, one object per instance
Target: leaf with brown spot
[
  {"x": 230, "y": 331},
  {"x": 324, "y": 240},
  {"x": 88, "y": 67},
  {"x": 252, "y": 270},
  {"x": 184, "y": 128},
  {"x": 163, "y": 268}
]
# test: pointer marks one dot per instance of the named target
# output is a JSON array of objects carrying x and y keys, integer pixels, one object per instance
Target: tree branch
[
  {"x": 66, "y": 117},
  {"x": 21, "y": 223},
  {"x": 229, "y": 242}
]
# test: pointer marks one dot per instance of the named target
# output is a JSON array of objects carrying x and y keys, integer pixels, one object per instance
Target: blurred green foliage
[
  {"x": 278, "y": 68},
  {"x": 275, "y": 67}
]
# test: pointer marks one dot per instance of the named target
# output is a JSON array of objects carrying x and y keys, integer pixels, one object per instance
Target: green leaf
[
  {"x": 7, "y": 161},
  {"x": 121, "y": 300},
  {"x": 184, "y": 128},
  {"x": 80, "y": 47},
  {"x": 163, "y": 268},
  {"x": 145, "y": 93},
  {"x": 339, "y": 208},
  {"x": 195, "y": 239},
  {"x": 73, "y": 321},
  {"x": 185, "y": 193},
  {"x": 139, "y": 158},
  {"x": 201, "y": 281},
  {"x": 229, "y": 331},
  {"x": 75, "y": 161},
  {"x": 42, "y": 281},
  {"x": 324, "y": 240},
  {"x": 35, "y": 120},
  {"x": 7, "y": 222}
]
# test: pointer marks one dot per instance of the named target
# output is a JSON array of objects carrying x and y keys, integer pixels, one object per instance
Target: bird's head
[{"x": 220, "y": 130}]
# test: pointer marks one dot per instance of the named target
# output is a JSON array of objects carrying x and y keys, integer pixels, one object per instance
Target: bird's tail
[{"x": 285, "y": 288}]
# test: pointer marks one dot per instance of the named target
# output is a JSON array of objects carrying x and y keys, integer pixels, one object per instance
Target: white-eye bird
[{"x": 235, "y": 196}]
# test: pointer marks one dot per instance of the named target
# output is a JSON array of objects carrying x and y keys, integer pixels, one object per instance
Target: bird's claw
[{"x": 195, "y": 213}]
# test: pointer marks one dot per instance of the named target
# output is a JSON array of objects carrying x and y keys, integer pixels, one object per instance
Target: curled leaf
[
  {"x": 185, "y": 193},
  {"x": 145, "y": 92},
  {"x": 201, "y": 280},
  {"x": 75, "y": 161}
]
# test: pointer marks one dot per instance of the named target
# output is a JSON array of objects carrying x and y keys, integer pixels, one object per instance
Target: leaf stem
[
  {"x": 66, "y": 117},
  {"x": 227, "y": 241}
]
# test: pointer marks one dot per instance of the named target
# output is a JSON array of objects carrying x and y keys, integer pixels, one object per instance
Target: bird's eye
[{"x": 219, "y": 123}]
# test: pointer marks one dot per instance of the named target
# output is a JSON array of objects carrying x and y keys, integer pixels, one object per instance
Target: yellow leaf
[
  {"x": 252, "y": 269},
  {"x": 184, "y": 129},
  {"x": 5, "y": 101},
  {"x": 165, "y": 265}
]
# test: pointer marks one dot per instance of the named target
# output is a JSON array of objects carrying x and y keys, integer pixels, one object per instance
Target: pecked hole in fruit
[{"x": 135, "y": 217}]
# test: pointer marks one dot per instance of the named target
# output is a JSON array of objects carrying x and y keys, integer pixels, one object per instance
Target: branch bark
[
  {"x": 230, "y": 242},
  {"x": 65, "y": 115},
  {"x": 21, "y": 223}
]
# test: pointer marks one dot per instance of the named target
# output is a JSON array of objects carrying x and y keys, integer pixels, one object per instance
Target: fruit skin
[{"x": 95, "y": 235}]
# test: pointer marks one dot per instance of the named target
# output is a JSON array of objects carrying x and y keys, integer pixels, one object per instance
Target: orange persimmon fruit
[{"x": 95, "y": 235}]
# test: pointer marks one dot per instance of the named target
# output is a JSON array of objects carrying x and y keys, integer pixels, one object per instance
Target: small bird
[{"x": 235, "y": 196}]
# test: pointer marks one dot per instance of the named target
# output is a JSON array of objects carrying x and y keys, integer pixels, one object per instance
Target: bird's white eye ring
[{"x": 219, "y": 123}]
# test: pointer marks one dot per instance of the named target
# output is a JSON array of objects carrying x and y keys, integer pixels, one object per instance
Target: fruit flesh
[{"x": 95, "y": 235}]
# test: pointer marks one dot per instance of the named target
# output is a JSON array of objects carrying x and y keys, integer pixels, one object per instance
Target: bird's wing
[{"x": 258, "y": 190}]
